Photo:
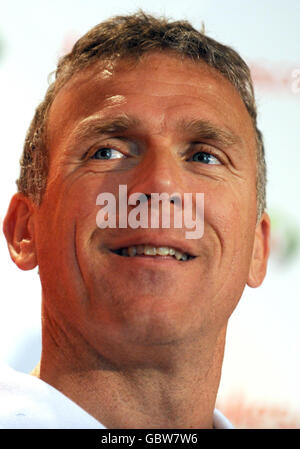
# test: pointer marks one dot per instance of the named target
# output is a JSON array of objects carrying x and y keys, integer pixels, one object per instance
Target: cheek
[
  {"x": 230, "y": 231},
  {"x": 230, "y": 212},
  {"x": 66, "y": 206}
]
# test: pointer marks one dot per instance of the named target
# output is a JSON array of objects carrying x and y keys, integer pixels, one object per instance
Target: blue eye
[
  {"x": 107, "y": 153},
  {"x": 205, "y": 158}
]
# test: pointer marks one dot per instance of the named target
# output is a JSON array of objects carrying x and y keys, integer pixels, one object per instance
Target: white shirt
[{"x": 27, "y": 402}]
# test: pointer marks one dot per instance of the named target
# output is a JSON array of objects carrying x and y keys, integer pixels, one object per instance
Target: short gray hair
[{"x": 130, "y": 37}]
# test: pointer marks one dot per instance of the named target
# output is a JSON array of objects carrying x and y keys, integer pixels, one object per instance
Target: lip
[
  {"x": 154, "y": 261},
  {"x": 157, "y": 241}
]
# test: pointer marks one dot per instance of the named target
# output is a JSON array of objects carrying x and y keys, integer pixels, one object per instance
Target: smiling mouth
[{"x": 153, "y": 251}]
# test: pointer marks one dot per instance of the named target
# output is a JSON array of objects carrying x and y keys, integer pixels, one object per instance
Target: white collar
[
  {"x": 220, "y": 421},
  {"x": 27, "y": 402}
]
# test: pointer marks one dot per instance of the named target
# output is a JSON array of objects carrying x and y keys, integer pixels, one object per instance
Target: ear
[
  {"x": 18, "y": 228},
  {"x": 261, "y": 250}
]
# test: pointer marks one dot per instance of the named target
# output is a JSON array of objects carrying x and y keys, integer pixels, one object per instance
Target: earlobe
[
  {"x": 18, "y": 228},
  {"x": 260, "y": 254}
]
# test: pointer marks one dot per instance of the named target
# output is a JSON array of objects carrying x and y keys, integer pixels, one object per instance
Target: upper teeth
[{"x": 149, "y": 250}]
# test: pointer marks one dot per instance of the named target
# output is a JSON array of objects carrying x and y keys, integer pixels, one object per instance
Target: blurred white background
[{"x": 260, "y": 386}]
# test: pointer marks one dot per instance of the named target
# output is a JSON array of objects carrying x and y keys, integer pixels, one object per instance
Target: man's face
[{"x": 114, "y": 300}]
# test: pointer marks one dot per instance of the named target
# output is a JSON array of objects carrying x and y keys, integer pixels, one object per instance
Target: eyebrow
[
  {"x": 205, "y": 129},
  {"x": 96, "y": 126}
]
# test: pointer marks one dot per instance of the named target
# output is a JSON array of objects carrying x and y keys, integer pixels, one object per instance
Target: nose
[
  {"x": 160, "y": 175},
  {"x": 160, "y": 171},
  {"x": 158, "y": 180}
]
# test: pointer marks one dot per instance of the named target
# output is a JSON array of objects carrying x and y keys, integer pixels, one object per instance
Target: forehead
[{"x": 161, "y": 88}]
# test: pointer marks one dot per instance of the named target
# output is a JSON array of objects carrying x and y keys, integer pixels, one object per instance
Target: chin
[{"x": 159, "y": 321}]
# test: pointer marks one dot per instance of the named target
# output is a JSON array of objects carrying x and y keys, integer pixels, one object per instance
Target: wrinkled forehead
[
  {"x": 110, "y": 68},
  {"x": 107, "y": 83}
]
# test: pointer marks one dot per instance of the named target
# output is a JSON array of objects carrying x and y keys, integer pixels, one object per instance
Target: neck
[{"x": 179, "y": 392}]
